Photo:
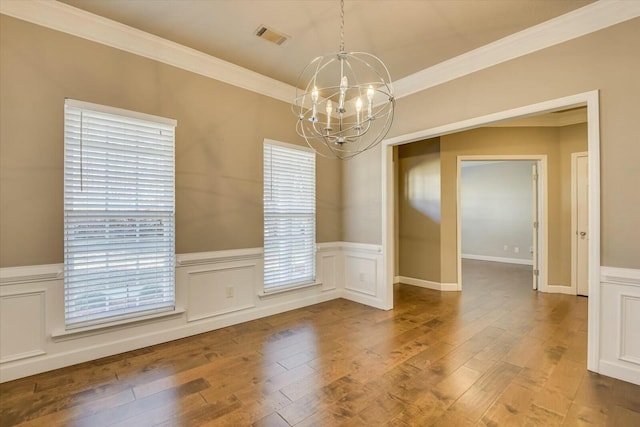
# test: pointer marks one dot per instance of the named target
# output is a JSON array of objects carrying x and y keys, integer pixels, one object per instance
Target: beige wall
[
  {"x": 606, "y": 60},
  {"x": 218, "y": 143},
  {"x": 419, "y": 210},
  {"x": 361, "y": 198}
]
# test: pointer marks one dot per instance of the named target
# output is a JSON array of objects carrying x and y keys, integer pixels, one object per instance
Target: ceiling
[{"x": 408, "y": 35}]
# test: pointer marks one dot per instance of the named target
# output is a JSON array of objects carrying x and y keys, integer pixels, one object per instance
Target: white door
[
  {"x": 581, "y": 221},
  {"x": 536, "y": 223}
]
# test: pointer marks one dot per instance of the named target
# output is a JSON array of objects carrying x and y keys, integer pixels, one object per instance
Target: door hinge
[
  {"x": 535, "y": 224},
  {"x": 536, "y": 272}
]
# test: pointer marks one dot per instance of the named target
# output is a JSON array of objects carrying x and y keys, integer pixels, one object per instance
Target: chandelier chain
[{"x": 341, "y": 25}]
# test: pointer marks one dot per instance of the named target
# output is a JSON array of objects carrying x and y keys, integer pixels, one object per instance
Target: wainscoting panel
[
  {"x": 32, "y": 311},
  {"x": 22, "y": 323},
  {"x": 328, "y": 271},
  {"x": 620, "y": 324},
  {"x": 220, "y": 290},
  {"x": 213, "y": 290},
  {"x": 630, "y": 329},
  {"x": 363, "y": 276}
]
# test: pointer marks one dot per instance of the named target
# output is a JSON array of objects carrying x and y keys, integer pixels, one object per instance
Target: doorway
[
  {"x": 588, "y": 99},
  {"x": 502, "y": 213}
]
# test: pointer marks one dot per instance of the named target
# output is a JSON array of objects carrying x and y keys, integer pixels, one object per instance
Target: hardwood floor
[{"x": 497, "y": 354}]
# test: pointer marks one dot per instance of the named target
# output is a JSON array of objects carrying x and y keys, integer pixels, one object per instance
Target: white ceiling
[{"x": 408, "y": 35}]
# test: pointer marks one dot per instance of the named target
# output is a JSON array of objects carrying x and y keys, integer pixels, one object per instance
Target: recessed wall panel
[
  {"x": 328, "y": 266},
  {"x": 213, "y": 292},
  {"x": 361, "y": 274},
  {"x": 630, "y": 329},
  {"x": 21, "y": 326}
]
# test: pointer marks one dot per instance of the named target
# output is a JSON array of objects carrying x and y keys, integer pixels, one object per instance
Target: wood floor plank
[{"x": 582, "y": 416}]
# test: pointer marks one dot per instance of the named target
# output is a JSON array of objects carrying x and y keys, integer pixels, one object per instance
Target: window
[
  {"x": 119, "y": 209},
  {"x": 289, "y": 216}
]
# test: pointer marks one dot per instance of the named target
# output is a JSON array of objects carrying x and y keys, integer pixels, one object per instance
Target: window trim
[{"x": 120, "y": 112}]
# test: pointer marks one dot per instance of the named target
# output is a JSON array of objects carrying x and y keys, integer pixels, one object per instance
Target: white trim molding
[
  {"x": 68, "y": 19},
  {"x": 588, "y": 19},
  {"x": 77, "y": 22},
  {"x": 30, "y": 274},
  {"x": 195, "y": 258},
  {"x": 620, "y": 276}
]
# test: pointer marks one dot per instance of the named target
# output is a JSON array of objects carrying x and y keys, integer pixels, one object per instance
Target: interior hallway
[{"x": 496, "y": 354}]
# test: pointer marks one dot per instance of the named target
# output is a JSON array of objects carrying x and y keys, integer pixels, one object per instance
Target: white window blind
[
  {"x": 119, "y": 258},
  {"x": 289, "y": 216}
]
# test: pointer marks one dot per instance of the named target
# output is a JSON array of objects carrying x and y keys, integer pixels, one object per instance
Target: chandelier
[{"x": 344, "y": 102}]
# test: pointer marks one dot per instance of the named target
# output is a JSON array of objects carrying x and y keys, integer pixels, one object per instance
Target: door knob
[{"x": 583, "y": 233}]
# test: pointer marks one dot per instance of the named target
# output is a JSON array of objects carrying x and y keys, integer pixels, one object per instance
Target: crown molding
[
  {"x": 77, "y": 22},
  {"x": 68, "y": 19},
  {"x": 588, "y": 19}
]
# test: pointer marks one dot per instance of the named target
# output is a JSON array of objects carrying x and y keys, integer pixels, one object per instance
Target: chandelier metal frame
[{"x": 344, "y": 102}]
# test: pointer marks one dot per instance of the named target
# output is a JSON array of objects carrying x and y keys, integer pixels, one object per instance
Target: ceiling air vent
[{"x": 271, "y": 35}]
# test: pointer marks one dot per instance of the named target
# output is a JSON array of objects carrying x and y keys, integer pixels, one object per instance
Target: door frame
[
  {"x": 591, "y": 100},
  {"x": 574, "y": 219},
  {"x": 543, "y": 246}
]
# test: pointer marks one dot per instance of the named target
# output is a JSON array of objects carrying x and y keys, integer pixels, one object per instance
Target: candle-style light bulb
[
  {"x": 344, "y": 84},
  {"x": 370, "y": 94},
  {"x": 358, "y": 110},
  {"x": 314, "y": 101},
  {"x": 329, "y": 111}
]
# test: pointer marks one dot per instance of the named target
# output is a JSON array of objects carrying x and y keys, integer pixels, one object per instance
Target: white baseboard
[
  {"x": 624, "y": 373},
  {"x": 498, "y": 259},
  {"x": 436, "y": 286},
  {"x": 369, "y": 300}
]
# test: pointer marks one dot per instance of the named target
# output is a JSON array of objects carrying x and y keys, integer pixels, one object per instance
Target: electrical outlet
[
  {"x": 516, "y": 250},
  {"x": 362, "y": 277},
  {"x": 506, "y": 247},
  {"x": 229, "y": 291}
]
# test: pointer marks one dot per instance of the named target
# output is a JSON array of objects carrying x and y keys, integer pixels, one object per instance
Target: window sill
[
  {"x": 263, "y": 294},
  {"x": 61, "y": 335}
]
